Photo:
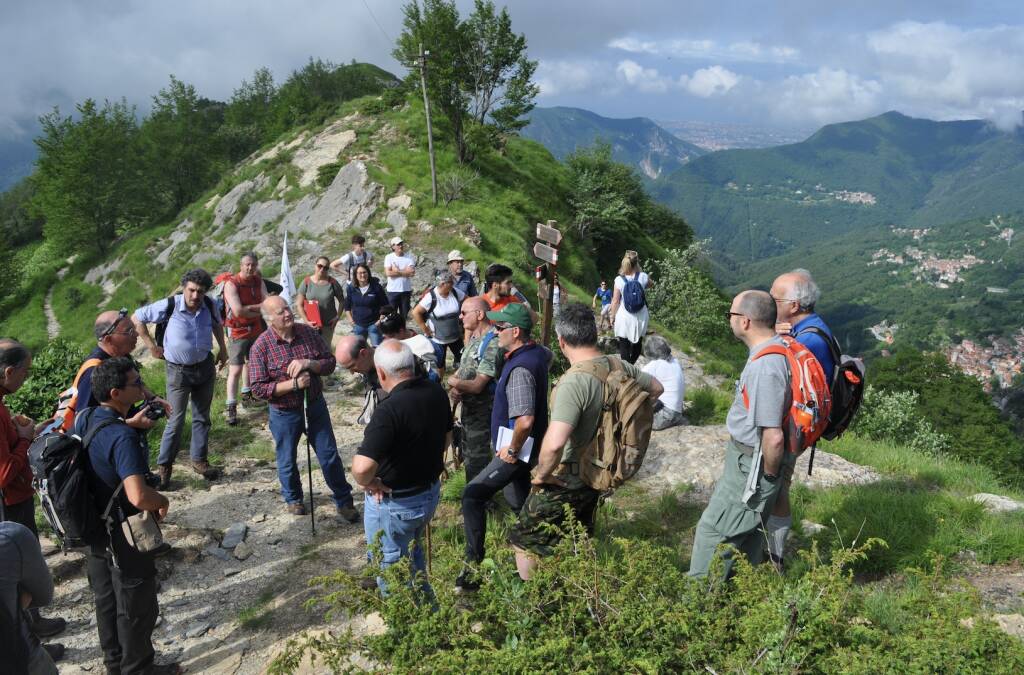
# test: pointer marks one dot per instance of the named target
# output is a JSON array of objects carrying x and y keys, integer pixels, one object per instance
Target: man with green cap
[{"x": 519, "y": 419}]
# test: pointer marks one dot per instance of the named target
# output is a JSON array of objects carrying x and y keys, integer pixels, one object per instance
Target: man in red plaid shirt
[{"x": 285, "y": 366}]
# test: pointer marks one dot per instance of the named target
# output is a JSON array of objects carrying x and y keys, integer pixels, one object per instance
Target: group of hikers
[{"x": 538, "y": 446}]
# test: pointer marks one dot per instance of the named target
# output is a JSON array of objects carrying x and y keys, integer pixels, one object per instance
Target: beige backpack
[{"x": 620, "y": 444}]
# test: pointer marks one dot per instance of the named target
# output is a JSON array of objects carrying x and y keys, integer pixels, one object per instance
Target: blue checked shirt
[{"x": 188, "y": 339}]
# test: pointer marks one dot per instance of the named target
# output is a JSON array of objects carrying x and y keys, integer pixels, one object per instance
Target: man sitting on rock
[
  {"x": 401, "y": 459},
  {"x": 756, "y": 461},
  {"x": 286, "y": 365}
]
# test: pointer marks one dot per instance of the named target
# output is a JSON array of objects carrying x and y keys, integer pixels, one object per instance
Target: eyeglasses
[
  {"x": 730, "y": 314},
  {"x": 502, "y": 326},
  {"x": 784, "y": 299},
  {"x": 121, "y": 314}
]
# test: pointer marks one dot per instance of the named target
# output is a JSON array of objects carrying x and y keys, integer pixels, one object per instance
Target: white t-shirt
[
  {"x": 402, "y": 262},
  {"x": 627, "y": 325},
  {"x": 670, "y": 374},
  {"x": 443, "y": 307},
  {"x": 350, "y": 260}
]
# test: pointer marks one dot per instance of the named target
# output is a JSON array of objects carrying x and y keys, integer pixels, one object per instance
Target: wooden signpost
[{"x": 548, "y": 252}]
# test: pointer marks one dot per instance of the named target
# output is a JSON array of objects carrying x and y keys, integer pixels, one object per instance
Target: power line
[{"x": 384, "y": 32}]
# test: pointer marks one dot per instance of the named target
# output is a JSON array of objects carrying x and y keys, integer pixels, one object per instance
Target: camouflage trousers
[
  {"x": 543, "y": 515},
  {"x": 476, "y": 446}
]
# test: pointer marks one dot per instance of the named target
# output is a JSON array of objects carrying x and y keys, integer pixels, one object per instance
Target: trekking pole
[{"x": 309, "y": 460}]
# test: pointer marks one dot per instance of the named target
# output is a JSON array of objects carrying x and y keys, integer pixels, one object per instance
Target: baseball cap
[
  {"x": 455, "y": 254},
  {"x": 396, "y": 240},
  {"x": 515, "y": 314}
]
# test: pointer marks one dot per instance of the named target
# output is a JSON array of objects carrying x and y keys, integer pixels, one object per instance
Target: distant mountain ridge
[
  {"x": 889, "y": 169},
  {"x": 636, "y": 141}
]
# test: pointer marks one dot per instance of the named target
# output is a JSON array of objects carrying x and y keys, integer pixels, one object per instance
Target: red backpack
[{"x": 812, "y": 402}]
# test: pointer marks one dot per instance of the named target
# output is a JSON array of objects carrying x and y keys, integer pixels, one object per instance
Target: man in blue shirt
[
  {"x": 604, "y": 294},
  {"x": 795, "y": 294},
  {"x": 463, "y": 279},
  {"x": 123, "y": 580},
  {"x": 192, "y": 323}
]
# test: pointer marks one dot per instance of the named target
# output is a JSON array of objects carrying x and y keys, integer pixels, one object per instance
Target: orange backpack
[
  {"x": 812, "y": 402},
  {"x": 67, "y": 402}
]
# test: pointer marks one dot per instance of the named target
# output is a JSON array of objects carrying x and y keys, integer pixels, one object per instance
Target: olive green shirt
[
  {"x": 577, "y": 401},
  {"x": 324, "y": 295}
]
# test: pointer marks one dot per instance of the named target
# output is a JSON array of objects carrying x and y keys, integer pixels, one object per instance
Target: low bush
[
  {"x": 707, "y": 405},
  {"x": 53, "y": 369},
  {"x": 893, "y": 416}
]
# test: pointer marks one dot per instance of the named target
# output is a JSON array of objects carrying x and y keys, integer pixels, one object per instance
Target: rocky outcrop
[{"x": 694, "y": 456}]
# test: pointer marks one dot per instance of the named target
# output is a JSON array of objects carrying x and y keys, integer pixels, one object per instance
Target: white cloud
[
  {"x": 826, "y": 95},
  {"x": 743, "y": 51},
  {"x": 647, "y": 80},
  {"x": 708, "y": 82},
  {"x": 555, "y": 77}
]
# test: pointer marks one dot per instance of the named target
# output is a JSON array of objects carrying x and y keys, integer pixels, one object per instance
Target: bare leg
[
  {"x": 525, "y": 563},
  {"x": 234, "y": 376}
]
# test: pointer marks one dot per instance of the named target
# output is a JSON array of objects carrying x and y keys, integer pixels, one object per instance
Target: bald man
[
  {"x": 286, "y": 364},
  {"x": 473, "y": 384},
  {"x": 755, "y": 457}
]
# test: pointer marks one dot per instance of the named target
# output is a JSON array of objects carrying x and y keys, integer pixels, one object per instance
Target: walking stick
[{"x": 309, "y": 459}]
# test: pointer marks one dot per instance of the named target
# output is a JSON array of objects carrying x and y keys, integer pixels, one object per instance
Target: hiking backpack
[
  {"x": 618, "y": 448},
  {"x": 812, "y": 401},
  {"x": 217, "y": 294},
  {"x": 633, "y": 297},
  {"x": 847, "y": 386},
  {"x": 161, "y": 327},
  {"x": 67, "y": 401},
  {"x": 59, "y": 463}
]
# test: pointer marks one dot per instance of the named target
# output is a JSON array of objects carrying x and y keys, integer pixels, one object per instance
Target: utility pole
[{"x": 430, "y": 131}]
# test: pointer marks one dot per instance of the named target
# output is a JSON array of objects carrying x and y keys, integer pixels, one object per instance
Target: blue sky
[{"x": 796, "y": 64}]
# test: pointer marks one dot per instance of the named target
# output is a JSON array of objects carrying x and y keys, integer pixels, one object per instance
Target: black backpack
[
  {"x": 846, "y": 384},
  {"x": 59, "y": 465},
  {"x": 161, "y": 327}
]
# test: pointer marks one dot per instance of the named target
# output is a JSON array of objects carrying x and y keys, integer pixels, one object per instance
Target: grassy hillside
[
  {"x": 637, "y": 142},
  {"x": 846, "y": 177}
]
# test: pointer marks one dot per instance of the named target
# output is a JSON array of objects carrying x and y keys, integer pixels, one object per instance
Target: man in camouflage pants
[{"x": 473, "y": 384}]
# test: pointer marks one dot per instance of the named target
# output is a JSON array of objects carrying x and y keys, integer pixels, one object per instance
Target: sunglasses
[
  {"x": 502, "y": 326},
  {"x": 321, "y": 266},
  {"x": 121, "y": 314}
]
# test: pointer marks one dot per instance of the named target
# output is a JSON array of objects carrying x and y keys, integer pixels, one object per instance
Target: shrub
[
  {"x": 707, "y": 405},
  {"x": 893, "y": 416},
  {"x": 456, "y": 184},
  {"x": 53, "y": 369},
  {"x": 685, "y": 299},
  {"x": 326, "y": 173}
]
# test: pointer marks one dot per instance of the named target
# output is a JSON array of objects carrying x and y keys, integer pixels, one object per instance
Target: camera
[{"x": 153, "y": 410}]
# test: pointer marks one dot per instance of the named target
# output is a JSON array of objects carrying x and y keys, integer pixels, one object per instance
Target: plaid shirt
[{"x": 269, "y": 359}]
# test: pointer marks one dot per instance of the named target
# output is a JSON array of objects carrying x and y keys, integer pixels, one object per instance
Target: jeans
[
  {"x": 402, "y": 521},
  {"x": 513, "y": 479},
  {"x": 371, "y": 333},
  {"x": 440, "y": 351},
  {"x": 185, "y": 382},
  {"x": 400, "y": 301},
  {"x": 126, "y": 611},
  {"x": 286, "y": 425}
]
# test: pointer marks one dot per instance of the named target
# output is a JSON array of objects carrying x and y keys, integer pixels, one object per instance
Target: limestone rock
[
  {"x": 997, "y": 503},
  {"x": 234, "y": 535},
  {"x": 811, "y": 528},
  {"x": 322, "y": 149},
  {"x": 231, "y": 571},
  {"x": 242, "y": 551},
  {"x": 197, "y": 629},
  {"x": 397, "y": 220},
  {"x": 218, "y": 552},
  {"x": 227, "y": 207},
  {"x": 400, "y": 203},
  {"x": 179, "y": 235},
  {"x": 1011, "y": 624}
]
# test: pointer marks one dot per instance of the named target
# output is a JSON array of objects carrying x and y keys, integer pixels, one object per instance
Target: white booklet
[{"x": 505, "y": 439}]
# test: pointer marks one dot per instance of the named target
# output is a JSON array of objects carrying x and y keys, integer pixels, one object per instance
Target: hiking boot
[
  {"x": 162, "y": 549},
  {"x": 777, "y": 562},
  {"x": 231, "y": 414},
  {"x": 203, "y": 468},
  {"x": 55, "y": 650},
  {"x": 368, "y": 583},
  {"x": 349, "y": 513},
  {"x": 43, "y": 627},
  {"x": 296, "y": 509},
  {"x": 466, "y": 583},
  {"x": 250, "y": 401},
  {"x": 165, "y": 669},
  {"x": 163, "y": 472}
]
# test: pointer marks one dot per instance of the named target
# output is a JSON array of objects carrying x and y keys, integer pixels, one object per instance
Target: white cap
[
  {"x": 396, "y": 240},
  {"x": 455, "y": 254}
]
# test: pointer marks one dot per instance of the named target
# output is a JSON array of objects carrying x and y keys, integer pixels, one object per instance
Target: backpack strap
[
  {"x": 833, "y": 347},
  {"x": 483, "y": 345},
  {"x": 86, "y": 441}
]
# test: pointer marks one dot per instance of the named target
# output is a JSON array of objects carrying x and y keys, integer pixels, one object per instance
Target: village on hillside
[{"x": 998, "y": 362}]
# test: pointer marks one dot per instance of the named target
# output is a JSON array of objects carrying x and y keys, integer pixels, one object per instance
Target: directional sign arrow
[
  {"x": 545, "y": 253},
  {"x": 549, "y": 234}
]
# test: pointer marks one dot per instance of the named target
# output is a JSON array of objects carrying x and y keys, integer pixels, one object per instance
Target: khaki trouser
[{"x": 727, "y": 520}]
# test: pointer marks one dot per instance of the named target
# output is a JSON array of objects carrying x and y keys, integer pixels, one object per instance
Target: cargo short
[
  {"x": 238, "y": 350},
  {"x": 542, "y": 517}
]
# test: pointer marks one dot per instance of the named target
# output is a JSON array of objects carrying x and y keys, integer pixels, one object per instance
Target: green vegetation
[
  {"x": 707, "y": 405},
  {"x": 53, "y": 369},
  {"x": 622, "y": 602}
]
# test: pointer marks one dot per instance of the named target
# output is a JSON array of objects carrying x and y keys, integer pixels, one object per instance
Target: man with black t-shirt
[
  {"x": 122, "y": 579},
  {"x": 401, "y": 458}
]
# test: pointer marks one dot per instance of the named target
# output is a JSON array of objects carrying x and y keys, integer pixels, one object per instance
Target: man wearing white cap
[
  {"x": 463, "y": 279},
  {"x": 399, "y": 269}
]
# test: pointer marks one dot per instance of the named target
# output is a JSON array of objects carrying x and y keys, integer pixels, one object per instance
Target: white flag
[{"x": 287, "y": 282}]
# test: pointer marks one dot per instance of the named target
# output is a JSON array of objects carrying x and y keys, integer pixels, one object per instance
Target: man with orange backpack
[
  {"x": 781, "y": 406},
  {"x": 243, "y": 294}
]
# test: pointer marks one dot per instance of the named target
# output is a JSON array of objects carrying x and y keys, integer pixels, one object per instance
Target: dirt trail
[{"x": 206, "y": 593}]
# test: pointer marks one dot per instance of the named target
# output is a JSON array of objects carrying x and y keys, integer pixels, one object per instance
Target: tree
[
  {"x": 89, "y": 175},
  {"x": 605, "y": 194},
  {"x": 477, "y": 73},
  {"x": 20, "y": 223},
  {"x": 247, "y": 117},
  {"x": 182, "y": 147}
]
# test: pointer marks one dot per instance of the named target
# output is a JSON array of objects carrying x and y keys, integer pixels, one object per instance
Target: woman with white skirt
[{"x": 629, "y": 307}]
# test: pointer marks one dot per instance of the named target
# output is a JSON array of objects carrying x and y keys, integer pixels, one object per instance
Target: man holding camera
[{"x": 122, "y": 578}]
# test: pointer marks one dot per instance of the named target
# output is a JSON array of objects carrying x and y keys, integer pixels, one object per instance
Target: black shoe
[
  {"x": 349, "y": 513},
  {"x": 55, "y": 650},
  {"x": 165, "y": 669},
  {"x": 162, "y": 549},
  {"x": 47, "y": 627},
  {"x": 777, "y": 563},
  {"x": 368, "y": 583},
  {"x": 465, "y": 583}
]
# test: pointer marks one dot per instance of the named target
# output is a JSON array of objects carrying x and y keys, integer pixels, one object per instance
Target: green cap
[{"x": 514, "y": 313}]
